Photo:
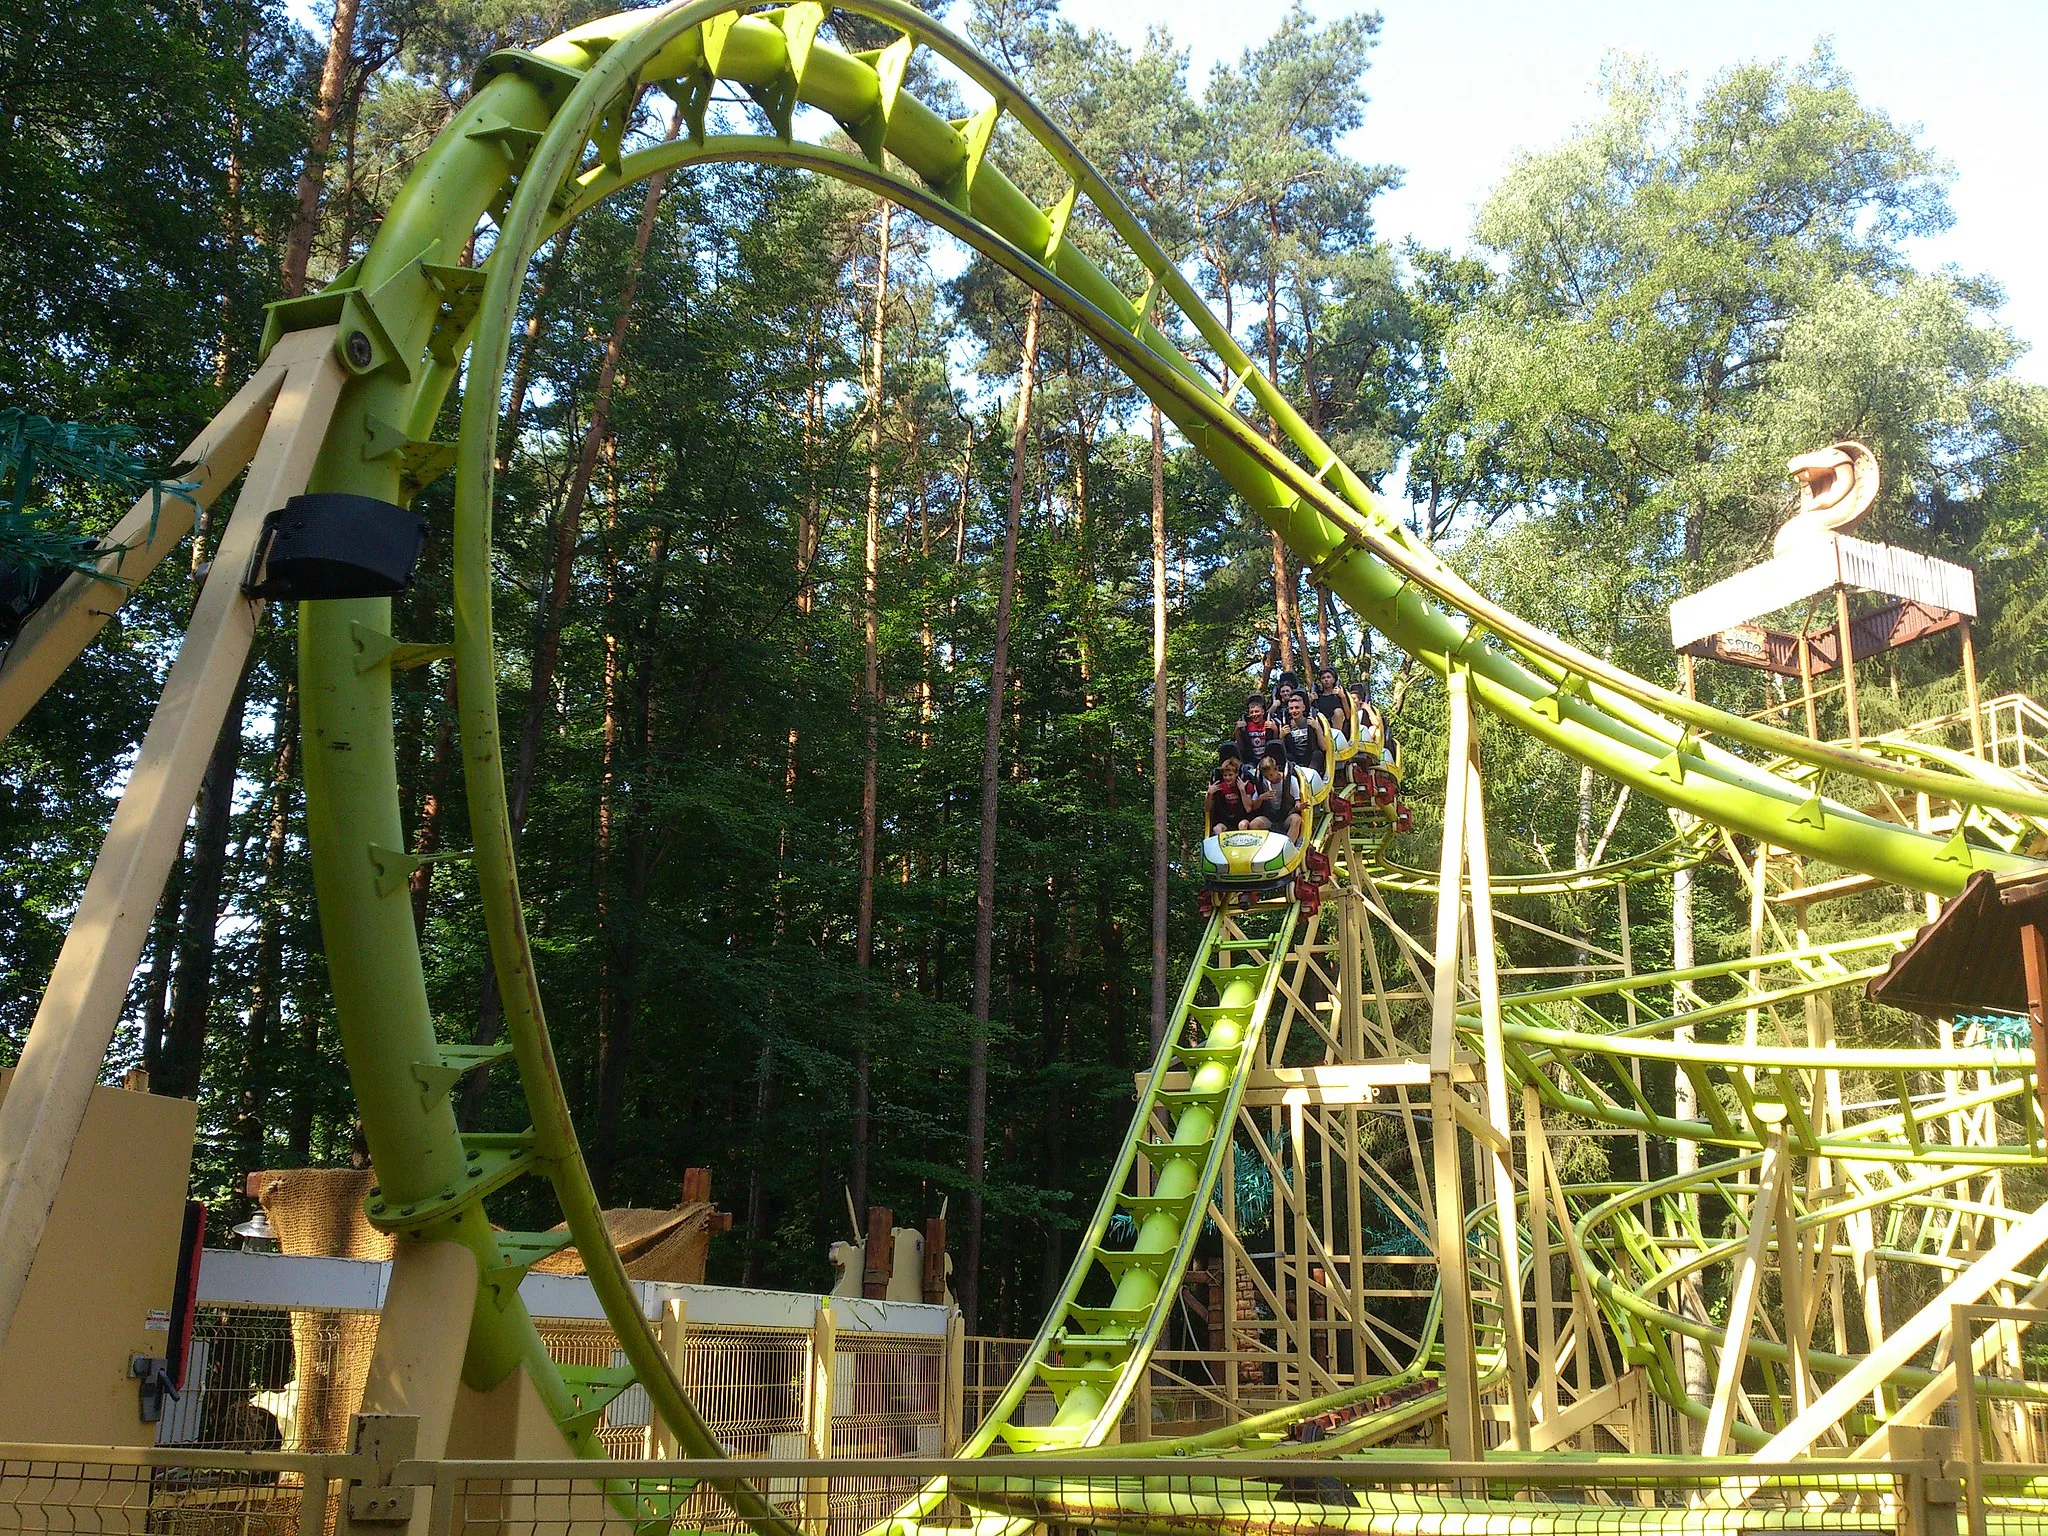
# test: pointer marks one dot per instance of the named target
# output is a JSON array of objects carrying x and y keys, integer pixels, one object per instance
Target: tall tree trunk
[
  {"x": 426, "y": 834},
  {"x": 1159, "y": 865},
  {"x": 522, "y": 371},
  {"x": 810, "y": 523},
  {"x": 298, "y": 249},
  {"x": 1052, "y": 1097},
  {"x": 568, "y": 525},
  {"x": 192, "y": 992},
  {"x": 871, "y": 715},
  {"x": 985, "y": 861},
  {"x": 163, "y": 949},
  {"x": 265, "y": 989},
  {"x": 611, "y": 1056},
  {"x": 231, "y": 222},
  {"x": 757, "y": 1188},
  {"x": 625, "y": 901}
]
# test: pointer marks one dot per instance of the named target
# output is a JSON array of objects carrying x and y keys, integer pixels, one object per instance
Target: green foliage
[
  {"x": 1591, "y": 413},
  {"x": 30, "y": 547},
  {"x": 1688, "y": 291}
]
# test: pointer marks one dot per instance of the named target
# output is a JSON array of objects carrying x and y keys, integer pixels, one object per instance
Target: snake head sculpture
[{"x": 1837, "y": 484}]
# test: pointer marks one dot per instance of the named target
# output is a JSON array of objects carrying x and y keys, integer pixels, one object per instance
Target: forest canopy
[{"x": 762, "y": 441}]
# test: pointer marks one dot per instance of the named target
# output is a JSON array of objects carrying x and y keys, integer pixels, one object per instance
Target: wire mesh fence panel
[
  {"x": 1211, "y": 1497},
  {"x": 887, "y": 1401},
  {"x": 986, "y": 1368},
  {"x": 262, "y": 1379},
  {"x": 624, "y": 1430},
  {"x": 2000, "y": 1415},
  {"x": 749, "y": 1386},
  {"x": 266, "y": 1379},
  {"x": 2009, "y": 1390},
  {"x": 219, "y": 1493},
  {"x": 130, "y": 1500},
  {"x": 887, "y": 1395}
]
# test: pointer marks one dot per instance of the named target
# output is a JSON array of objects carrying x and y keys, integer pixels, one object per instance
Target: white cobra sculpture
[{"x": 1837, "y": 485}]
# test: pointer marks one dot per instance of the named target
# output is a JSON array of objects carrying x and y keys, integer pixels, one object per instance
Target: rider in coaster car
[
  {"x": 1305, "y": 738},
  {"x": 1254, "y": 731},
  {"x": 1225, "y": 802},
  {"x": 1284, "y": 688},
  {"x": 1331, "y": 702},
  {"x": 1374, "y": 738},
  {"x": 1276, "y": 806}
]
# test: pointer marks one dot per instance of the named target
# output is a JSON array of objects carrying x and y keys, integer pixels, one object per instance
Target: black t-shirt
[
  {"x": 1331, "y": 707},
  {"x": 1301, "y": 743}
]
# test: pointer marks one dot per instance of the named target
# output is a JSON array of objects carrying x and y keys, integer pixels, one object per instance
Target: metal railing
[
  {"x": 272, "y": 1379},
  {"x": 213, "y": 1493},
  {"x": 2000, "y": 1413},
  {"x": 2015, "y": 733}
]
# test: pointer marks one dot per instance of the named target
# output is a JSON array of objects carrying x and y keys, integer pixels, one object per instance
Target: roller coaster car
[
  {"x": 1376, "y": 789},
  {"x": 1252, "y": 866},
  {"x": 1342, "y": 751}
]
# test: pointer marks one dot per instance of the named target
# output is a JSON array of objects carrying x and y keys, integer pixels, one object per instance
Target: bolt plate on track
[
  {"x": 491, "y": 1161},
  {"x": 1160, "y": 1152}
]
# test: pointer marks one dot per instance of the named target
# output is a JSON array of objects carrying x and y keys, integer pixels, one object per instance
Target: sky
[{"x": 1460, "y": 87}]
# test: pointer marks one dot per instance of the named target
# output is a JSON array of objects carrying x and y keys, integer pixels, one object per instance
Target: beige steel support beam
[
  {"x": 1848, "y": 667},
  {"x": 1806, "y": 680},
  {"x": 2002, "y": 1339},
  {"x": 818, "y": 1417},
  {"x": 1539, "y": 1236},
  {"x": 1370, "y": 948},
  {"x": 1794, "y": 1287},
  {"x": 1587, "y": 1317},
  {"x": 60, "y": 1062},
  {"x": 1742, "y": 1300},
  {"x": 1351, "y": 1038},
  {"x": 1226, "y": 1223},
  {"x": 1971, "y": 694},
  {"x": 952, "y": 1394},
  {"x": 56, "y": 632},
  {"x": 1454, "y": 1278},
  {"x": 675, "y": 1344},
  {"x": 1611, "y": 1401},
  {"x": 1990, "y": 1269},
  {"x": 1296, "y": 1250},
  {"x": 1861, "y": 1229},
  {"x": 1499, "y": 1114}
]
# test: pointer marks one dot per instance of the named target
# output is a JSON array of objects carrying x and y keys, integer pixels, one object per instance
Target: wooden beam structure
[{"x": 60, "y": 1060}]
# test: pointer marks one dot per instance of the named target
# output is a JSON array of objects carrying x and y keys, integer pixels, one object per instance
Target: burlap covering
[
  {"x": 318, "y": 1213},
  {"x": 656, "y": 1244}
]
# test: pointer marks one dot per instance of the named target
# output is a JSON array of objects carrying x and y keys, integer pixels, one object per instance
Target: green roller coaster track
[{"x": 540, "y": 141}]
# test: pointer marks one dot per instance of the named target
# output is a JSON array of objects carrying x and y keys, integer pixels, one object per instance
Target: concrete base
[{"x": 511, "y": 1422}]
